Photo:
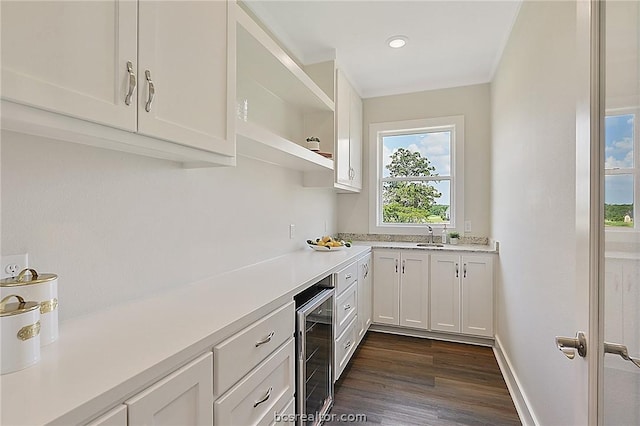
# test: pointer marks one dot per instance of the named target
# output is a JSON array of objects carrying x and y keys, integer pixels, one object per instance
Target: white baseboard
[
  {"x": 523, "y": 407},
  {"x": 448, "y": 337}
]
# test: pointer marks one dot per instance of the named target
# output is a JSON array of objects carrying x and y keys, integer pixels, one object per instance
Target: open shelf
[
  {"x": 261, "y": 59},
  {"x": 257, "y": 142}
]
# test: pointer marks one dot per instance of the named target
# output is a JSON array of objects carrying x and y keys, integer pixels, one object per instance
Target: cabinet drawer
[
  {"x": 240, "y": 353},
  {"x": 257, "y": 397},
  {"x": 346, "y": 308},
  {"x": 346, "y": 277},
  {"x": 286, "y": 416},
  {"x": 345, "y": 345}
]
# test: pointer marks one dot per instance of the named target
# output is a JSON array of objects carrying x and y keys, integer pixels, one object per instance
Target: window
[
  {"x": 621, "y": 170},
  {"x": 417, "y": 175}
]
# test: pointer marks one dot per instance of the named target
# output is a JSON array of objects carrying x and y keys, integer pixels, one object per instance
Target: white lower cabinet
[
  {"x": 345, "y": 345},
  {"x": 401, "y": 288},
  {"x": 115, "y": 417},
  {"x": 185, "y": 397},
  {"x": 256, "y": 399},
  {"x": 365, "y": 300},
  {"x": 462, "y": 294}
]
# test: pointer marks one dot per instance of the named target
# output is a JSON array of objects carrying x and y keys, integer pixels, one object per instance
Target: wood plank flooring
[{"x": 398, "y": 380}]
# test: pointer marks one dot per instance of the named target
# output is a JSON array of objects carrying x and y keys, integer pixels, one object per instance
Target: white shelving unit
[
  {"x": 257, "y": 142},
  {"x": 285, "y": 105}
]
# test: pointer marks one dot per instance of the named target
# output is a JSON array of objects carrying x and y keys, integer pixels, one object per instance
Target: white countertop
[
  {"x": 475, "y": 248},
  {"x": 104, "y": 358}
]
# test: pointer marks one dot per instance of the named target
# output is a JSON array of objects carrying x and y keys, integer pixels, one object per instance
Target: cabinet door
[
  {"x": 185, "y": 397},
  {"x": 364, "y": 295},
  {"x": 613, "y": 291},
  {"x": 445, "y": 292},
  {"x": 70, "y": 57},
  {"x": 186, "y": 54},
  {"x": 477, "y": 295},
  {"x": 414, "y": 290},
  {"x": 631, "y": 306},
  {"x": 343, "y": 110},
  {"x": 115, "y": 417},
  {"x": 355, "y": 140},
  {"x": 386, "y": 283}
]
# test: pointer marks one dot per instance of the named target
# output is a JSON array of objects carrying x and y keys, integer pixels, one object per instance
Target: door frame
[{"x": 589, "y": 193}]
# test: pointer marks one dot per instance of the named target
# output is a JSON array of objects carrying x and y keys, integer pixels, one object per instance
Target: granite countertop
[
  {"x": 102, "y": 359},
  {"x": 473, "y": 248}
]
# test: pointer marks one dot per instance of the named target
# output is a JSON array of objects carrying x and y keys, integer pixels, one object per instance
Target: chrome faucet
[{"x": 430, "y": 240}]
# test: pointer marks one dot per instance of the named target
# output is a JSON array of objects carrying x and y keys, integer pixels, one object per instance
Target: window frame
[
  {"x": 634, "y": 171},
  {"x": 454, "y": 124}
]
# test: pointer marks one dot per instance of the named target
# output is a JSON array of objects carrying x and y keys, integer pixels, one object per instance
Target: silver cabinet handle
[
  {"x": 132, "y": 83},
  {"x": 396, "y": 265},
  {"x": 457, "y": 271},
  {"x": 464, "y": 270},
  {"x": 618, "y": 349},
  {"x": 265, "y": 340},
  {"x": 403, "y": 261},
  {"x": 264, "y": 398},
  {"x": 569, "y": 345},
  {"x": 347, "y": 307},
  {"x": 152, "y": 90},
  {"x": 348, "y": 344},
  {"x": 348, "y": 277}
]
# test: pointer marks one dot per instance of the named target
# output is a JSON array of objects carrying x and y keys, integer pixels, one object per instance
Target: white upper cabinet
[
  {"x": 348, "y": 150},
  {"x": 163, "y": 71},
  {"x": 183, "y": 74},
  {"x": 71, "y": 57}
]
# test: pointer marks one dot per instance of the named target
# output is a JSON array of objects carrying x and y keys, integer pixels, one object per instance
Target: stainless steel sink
[{"x": 430, "y": 245}]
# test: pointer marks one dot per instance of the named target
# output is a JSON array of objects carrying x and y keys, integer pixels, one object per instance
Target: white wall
[
  {"x": 471, "y": 101},
  {"x": 533, "y": 204},
  {"x": 116, "y": 226}
]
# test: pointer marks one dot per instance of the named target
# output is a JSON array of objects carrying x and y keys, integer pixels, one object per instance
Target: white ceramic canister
[
  {"x": 43, "y": 288},
  {"x": 20, "y": 333}
]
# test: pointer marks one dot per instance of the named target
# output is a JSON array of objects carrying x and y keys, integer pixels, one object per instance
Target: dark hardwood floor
[{"x": 398, "y": 380}]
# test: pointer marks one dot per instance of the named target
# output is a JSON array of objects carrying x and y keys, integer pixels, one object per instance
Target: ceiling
[{"x": 451, "y": 43}]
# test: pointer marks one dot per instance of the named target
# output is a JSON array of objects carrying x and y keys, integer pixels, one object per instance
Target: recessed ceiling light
[{"x": 397, "y": 42}]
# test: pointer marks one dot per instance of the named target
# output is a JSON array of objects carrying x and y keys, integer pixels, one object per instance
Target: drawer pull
[
  {"x": 348, "y": 344},
  {"x": 265, "y": 340},
  {"x": 347, "y": 307},
  {"x": 347, "y": 277},
  {"x": 263, "y": 399}
]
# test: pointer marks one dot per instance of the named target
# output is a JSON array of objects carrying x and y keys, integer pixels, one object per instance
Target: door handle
[
  {"x": 569, "y": 345},
  {"x": 403, "y": 266},
  {"x": 457, "y": 271},
  {"x": 152, "y": 90},
  {"x": 396, "y": 265},
  {"x": 132, "y": 83},
  {"x": 618, "y": 349}
]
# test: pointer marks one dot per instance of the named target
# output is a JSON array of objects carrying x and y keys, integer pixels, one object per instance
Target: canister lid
[
  {"x": 7, "y": 309},
  {"x": 23, "y": 279}
]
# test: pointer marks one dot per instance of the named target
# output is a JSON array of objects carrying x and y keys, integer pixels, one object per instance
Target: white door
[
  {"x": 343, "y": 110},
  {"x": 185, "y": 397},
  {"x": 445, "y": 292},
  {"x": 386, "y": 286},
  {"x": 477, "y": 295},
  {"x": 414, "y": 290},
  {"x": 620, "y": 167},
  {"x": 355, "y": 140},
  {"x": 183, "y": 62},
  {"x": 71, "y": 57}
]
